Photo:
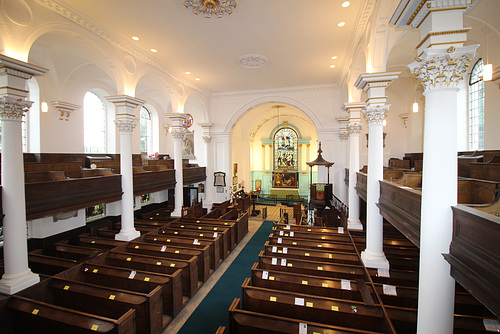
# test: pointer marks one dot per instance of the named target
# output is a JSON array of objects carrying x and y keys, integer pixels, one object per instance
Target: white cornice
[
  {"x": 79, "y": 18},
  {"x": 299, "y": 89}
]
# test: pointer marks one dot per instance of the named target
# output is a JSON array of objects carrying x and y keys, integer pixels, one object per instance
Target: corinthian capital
[
  {"x": 354, "y": 129},
  {"x": 206, "y": 139},
  {"x": 442, "y": 68},
  {"x": 178, "y": 133},
  {"x": 125, "y": 126},
  {"x": 13, "y": 108},
  {"x": 344, "y": 135},
  {"x": 375, "y": 114}
]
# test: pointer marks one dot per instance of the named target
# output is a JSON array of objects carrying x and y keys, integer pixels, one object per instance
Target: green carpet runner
[{"x": 213, "y": 310}]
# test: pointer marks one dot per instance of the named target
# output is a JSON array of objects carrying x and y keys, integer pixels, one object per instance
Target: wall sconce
[
  {"x": 404, "y": 117},
  {"x": 415, "y": 107}
]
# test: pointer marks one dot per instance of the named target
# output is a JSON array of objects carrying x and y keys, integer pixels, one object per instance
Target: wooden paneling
[
  {"x": 148, "y": 182},
  {"x": 194, "y": 175}
]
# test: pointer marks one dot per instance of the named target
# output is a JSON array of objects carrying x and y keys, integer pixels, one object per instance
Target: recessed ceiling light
[
  {"x": 197, "y": 79},
  {"x": 345, "y": 3},
  {"x": 332, "y": 66},
  {"x": 154, "y": 50},
  {"x": 341, "y": 24},
  {"x": 334, "y": 57},
  {"x": 188, "y": 72},
  {"x": 135, "y": 38}
]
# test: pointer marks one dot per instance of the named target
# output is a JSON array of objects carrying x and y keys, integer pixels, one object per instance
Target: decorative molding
[
  {"x": 375, "y": 114},
  {"x": 442, "y": 33},
  {"x": 65, "y": 109},
  {"x": 217, "y": 9},
  {"x": 125, "y": 126},
  {"x": 442, "y": 69},
  {"x": 265, "y": 120},
  {"x": 366, "y": 81},
  {"x": 12, "y": 108},
  {"x": 252, "y": 61},
  {"x": 287, "y": 90},
  {"x": 344, "y": 135},
  {"x": 73, "y": 15},
  {"x": 206, "y": 139},
  {"x": 404, "y": 117},
  {"x": 178, "y": 133}
]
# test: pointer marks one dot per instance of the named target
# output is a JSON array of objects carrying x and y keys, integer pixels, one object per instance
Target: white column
[
  {"x": 439, "y": 189},
  {"x": 209, "y": 184},
  {"x": 125, "y": 122},
  {"x": 178, "y": 131},
  {"x": 13, "y": 75},
  {"x": 375, "y": 111},
  {"x": 354, "y": 128},
  {"x": 263, "y": 157}
]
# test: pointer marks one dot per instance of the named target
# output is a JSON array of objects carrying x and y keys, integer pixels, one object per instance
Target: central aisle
[{"x": 212, "y": 312}]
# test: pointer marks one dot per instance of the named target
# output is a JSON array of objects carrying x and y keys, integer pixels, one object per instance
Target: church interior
[{"x": 232, "y": 166}]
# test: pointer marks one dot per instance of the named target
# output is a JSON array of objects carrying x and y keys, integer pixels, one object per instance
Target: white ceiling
[{"x": 298, "y": 37}]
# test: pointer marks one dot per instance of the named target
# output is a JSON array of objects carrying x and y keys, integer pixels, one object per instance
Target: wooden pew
[
  {"x": 339, "y": 312},
  {"x": 223, "y": 232},
  {"x": 198, "y": 239},
  {"x": 86, "y": 240},
  {"x": 177, "y": 253},
  {"x": 77, "y": 253},
  {"x": 32, "y": 316},
  {"x": 133, "y": 280},
  {"x": 93, "y": 172},
  {"x": 103, "y": 301},
  {"x": 324, "y": 237},
  {"x": 250, "y": 322},
  {"x": 237, "y": 232},
  {"x": 311, "y": 254},
  {"x": 204, "y": 248},
  {"x": 311, "y": 244},
  {"x": 48, "y": 265},
  {"x": 73, "y": 169},
  {"x": 322, "y": 269},
  {"x": 31, "y": 177},
  {"x": 189, "y": 271},
  {"x": 313, "y": 285}
]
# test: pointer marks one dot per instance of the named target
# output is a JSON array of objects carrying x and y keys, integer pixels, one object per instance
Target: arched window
[
  {"x": 476, "y": 107},
  {"x": 145, "y": 125},
  {"x": 94, "y": 116},
  {"x": 285, "y": 149}
]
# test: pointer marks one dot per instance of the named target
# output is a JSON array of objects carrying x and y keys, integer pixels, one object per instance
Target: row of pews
[
  {"x": 311, "y": 280},
  {"x": 94, "y": 283}
]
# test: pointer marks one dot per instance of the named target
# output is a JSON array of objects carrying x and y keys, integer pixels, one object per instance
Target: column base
[
  {"x": 354, "y": 224},
  {"x": 176, "y": 213},
  {"x": 13, "y": 284},
  {"x": 374, "y": 260},
  {"x": 127, "y": 235}
]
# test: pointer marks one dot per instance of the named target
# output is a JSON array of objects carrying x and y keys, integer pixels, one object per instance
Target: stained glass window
[{"x": 285, "y": 149}]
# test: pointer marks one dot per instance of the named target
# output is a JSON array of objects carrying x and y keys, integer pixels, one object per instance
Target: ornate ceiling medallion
[
  {"x": 211, "y": 8},
  {"x": 252, "y": 61}
]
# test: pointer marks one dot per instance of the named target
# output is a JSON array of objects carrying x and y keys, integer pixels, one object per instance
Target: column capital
[
  {"x": 65, "y": 108},
  {"x": 439, "y": 68},
  {"x": 344, "y": 135},
  {"x": 206, "y": 139},
  {"x": 354, "y": 129},
  {"x": 126, "y": 125},
  {"x": 178, "y": 133},
  {"x": 375, "y": 114},
  {"x": 12, "y": 108}
]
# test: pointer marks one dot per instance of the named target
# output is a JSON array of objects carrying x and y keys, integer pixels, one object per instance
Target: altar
[{"x": 281, "y": 193}]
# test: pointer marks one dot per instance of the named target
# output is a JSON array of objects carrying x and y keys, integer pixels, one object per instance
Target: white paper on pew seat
[
  {"x": 280, "y": 240},
  {"x": 345, "y": 284},
  {"x": 491, "y": 325},
  {"x": 275, "y": 249},
  {"x": 285, "y": 250},
  {"x": 383, "y": 273},
  {"x": 341, "y": 230},
  {"x": 299, "y": 301},
  {"x": 163, "y": 248},
  {"x": 215, "y": 234},
  {"x": 274, "y": 261},
  {"x": 132, "y": 274},
  {"x": 281, "y": 233},
  {"x": 195, "y": 242},
  {"x": 292, "y": 234},
  {"x": 389, "y": 290},
  {"x": 302, "y": 328},
  {"x": 283, "y": 262},
  {"x": 287, "y": 227},
  {"x": 265, "y": 274}
]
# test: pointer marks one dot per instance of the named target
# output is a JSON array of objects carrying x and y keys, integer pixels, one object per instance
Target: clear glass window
[
  {"x": 145, "y": 125},
  {"x": 94, "y": 124},
  {"x": 476, "y": 107}
]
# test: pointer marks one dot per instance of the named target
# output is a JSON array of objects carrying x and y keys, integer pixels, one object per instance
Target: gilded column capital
[
  {"x": 125, "y": 126},
  {"x": 12, "y": 108},
  {"x": 344, "y": 135},
  {"x": 354, "y": 129},
  {"x": 439, "y": 68},
  {"x": 178, "y": 133},
  {"x": 375, "y": 114}
]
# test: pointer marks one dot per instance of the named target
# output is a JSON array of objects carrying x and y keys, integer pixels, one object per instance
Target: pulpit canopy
[{"x": 320, "y": 161}]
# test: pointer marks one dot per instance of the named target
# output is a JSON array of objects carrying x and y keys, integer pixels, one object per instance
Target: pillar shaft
[{"x": 125, "y": 123}]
